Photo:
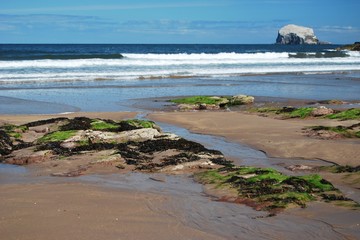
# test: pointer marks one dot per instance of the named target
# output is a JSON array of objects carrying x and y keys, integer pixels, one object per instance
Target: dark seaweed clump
[{"x": 44, "y": 122}]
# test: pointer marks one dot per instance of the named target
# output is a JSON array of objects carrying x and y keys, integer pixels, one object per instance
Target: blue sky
[{"x": 174, "y": 21}]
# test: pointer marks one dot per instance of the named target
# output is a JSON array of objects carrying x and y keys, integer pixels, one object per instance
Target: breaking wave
[{"x": 128, "y": 66}]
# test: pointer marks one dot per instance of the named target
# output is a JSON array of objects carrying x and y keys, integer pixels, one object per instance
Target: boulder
[
  {"x": 321, "y": 111},
  {"x": 293, "y": 34},
  {"x": 83, "y": 136},
  {"x": 241, "y": 100}
]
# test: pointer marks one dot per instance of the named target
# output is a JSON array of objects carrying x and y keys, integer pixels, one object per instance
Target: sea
[{"x": 58, "y": 78}]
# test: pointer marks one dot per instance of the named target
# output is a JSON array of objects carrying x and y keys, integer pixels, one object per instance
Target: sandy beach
[
  {"x": 277, "y": 138},
  {"x": 82, "y": 211},
  {"x": 74, "y": 208}
]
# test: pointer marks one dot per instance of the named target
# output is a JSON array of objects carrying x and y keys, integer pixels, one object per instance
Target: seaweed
[
  {"x": 78, "y": 123},
  {"x": 268, "y": 188},
  {"x": 198, "y": 100},
  {"x": 57, "y": 136},
  {"x": 44, "y": 122},
  {"x": 349, "y": 114}
]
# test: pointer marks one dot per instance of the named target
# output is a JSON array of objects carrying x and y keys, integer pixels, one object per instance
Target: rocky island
[{"x": 292, "y": 34}]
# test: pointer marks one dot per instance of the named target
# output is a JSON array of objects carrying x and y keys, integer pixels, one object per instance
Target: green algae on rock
[
  {"x": 270, "y": 190},
  {"x": 349, "y": 114},
  {"x": 211, "y": 102}
]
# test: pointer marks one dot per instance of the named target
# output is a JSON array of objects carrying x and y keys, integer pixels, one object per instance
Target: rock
[
  {"x": 187, "y": 107},
  {"x": 241, "y": 100},
  {"x": 332, "y": 102},
  {"x": 222, "y": 101},
  {"x": 293, "y": 34},
  {"x": 137, "y": 135},
  {"x": 351, "y": 47},
  {"x": 321, "y": 111},
  {"x": 202, "y": 106},
  {"x": 27, "y": 156},
  {"x": 299, "y": 167},
  {"x": 5, "y": 143},
  {"x": 40, "y": 129}
]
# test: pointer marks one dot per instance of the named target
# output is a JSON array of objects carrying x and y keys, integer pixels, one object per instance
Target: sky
[{"x": 174, "y": 21}]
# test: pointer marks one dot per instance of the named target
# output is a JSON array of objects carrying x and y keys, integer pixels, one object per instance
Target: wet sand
[
  {"x": 82, "y": 211},
  {"x": 278, "y": 138}
]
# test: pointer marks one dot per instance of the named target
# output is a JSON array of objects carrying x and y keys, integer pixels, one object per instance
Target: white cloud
[
  {"x": 339, "y": 29},
  {"x": 30, "y": 21}
]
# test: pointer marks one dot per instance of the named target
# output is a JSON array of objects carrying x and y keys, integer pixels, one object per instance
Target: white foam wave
[
  {"x": 136, "y": 61},
  {"x": 165, "y": 73},
  {"x": 134, "y": 66}
]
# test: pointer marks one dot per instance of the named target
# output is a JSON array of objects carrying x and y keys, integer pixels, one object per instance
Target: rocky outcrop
[
  {"x": 73, "y": 147},
  {"x": 351, "y": 47},
  {"x": 293, "y": 34},
  {"x": 211, "y": 103}
]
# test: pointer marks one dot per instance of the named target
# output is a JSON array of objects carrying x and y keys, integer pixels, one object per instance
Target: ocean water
[{"x": 106, "y": 77}]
